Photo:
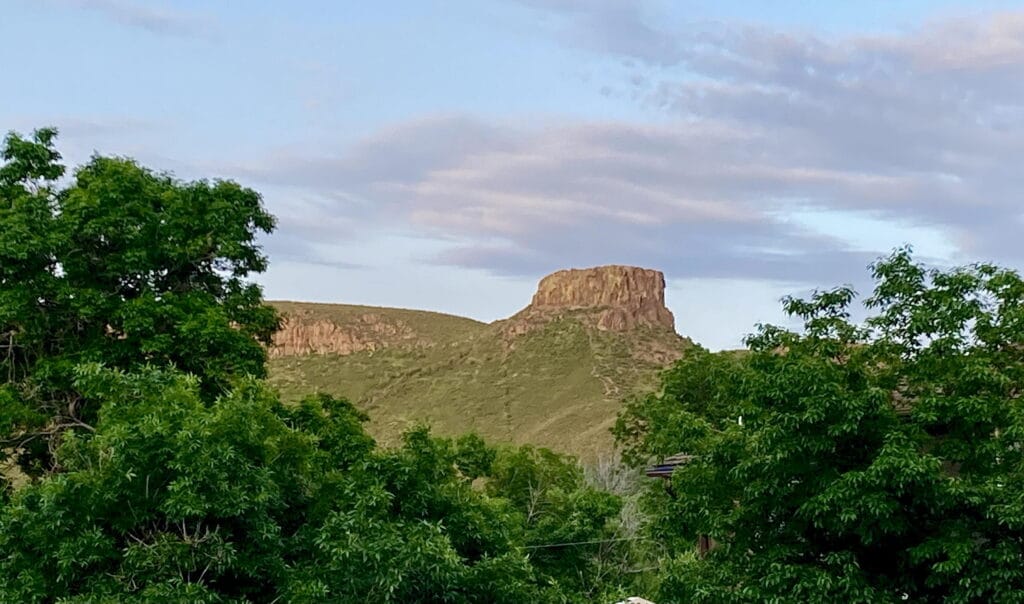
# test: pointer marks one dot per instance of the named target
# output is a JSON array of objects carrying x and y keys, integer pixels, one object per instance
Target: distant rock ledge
[
  {"x": 303, "y": 333},
  {"x": 611, "y": 298}
]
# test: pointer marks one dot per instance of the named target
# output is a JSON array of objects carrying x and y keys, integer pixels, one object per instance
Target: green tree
[
  {"x": 567, "y": 526},
  {"x": 130, "y": 345},
  {"x": 174, "y": 499},
  {"x": 870, "y": 462},
  {"x": 121, "y": 266}
]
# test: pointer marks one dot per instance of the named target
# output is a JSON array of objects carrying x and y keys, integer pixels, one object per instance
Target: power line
[
  {"x": 641, "y": 570},
  {"x": 594, "y": 542}
]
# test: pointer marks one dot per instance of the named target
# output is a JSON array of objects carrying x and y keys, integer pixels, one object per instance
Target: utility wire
[
  {"x": 594, "y": 542},
  {"x": 641, "y": 570}
]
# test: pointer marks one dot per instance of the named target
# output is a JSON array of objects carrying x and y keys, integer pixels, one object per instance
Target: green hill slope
[{"x": 559, "y": 384}]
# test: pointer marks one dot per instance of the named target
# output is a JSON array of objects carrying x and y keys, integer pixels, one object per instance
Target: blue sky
[{"x": 445, "y": 155}]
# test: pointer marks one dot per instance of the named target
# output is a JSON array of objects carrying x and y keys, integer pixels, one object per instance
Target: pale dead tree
[
  {"x": 609, "y": 474},
  {"x": 533, "y": 505},
  {"x": 619, "y": 555}
]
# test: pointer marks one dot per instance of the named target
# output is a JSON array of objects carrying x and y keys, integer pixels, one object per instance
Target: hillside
[{"x": 554, "y": 374}]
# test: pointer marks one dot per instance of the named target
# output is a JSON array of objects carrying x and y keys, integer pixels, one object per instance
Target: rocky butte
[
  {"x": 611, "y": 298},
  {"x": 552, "y": 375}
]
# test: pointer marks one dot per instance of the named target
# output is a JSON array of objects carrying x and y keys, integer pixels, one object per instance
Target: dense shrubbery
[
  {"x": 119, "y": 266},
  {"x": 875, "y": 462},
  {"x": 246, "y": 499}
]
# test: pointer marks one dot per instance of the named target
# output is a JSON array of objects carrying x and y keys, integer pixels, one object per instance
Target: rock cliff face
[
  {"x": 341, "y": 329},
  {"x": 302, "y": 334},
  {"x": 610, "y": 298}
]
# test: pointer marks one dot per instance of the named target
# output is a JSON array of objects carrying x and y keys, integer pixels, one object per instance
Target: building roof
[{"x": 668, "y": 465}]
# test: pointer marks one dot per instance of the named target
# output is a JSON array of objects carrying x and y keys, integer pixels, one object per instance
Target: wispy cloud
[
  {"x": 163, "y": 21},
  {"x": 624, "y": 27},
  {"x": 923, "y": 129},
  {"x": 523, "y": 201}
]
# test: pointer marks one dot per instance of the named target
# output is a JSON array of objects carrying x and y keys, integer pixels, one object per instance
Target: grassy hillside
[{"x": 559, "y": 385}]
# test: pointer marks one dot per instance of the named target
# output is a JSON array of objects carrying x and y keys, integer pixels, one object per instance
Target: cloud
[
  {"x": 981, "y": 44},
  {"x": 924, "y": 129},
  {"x": 518, "y": 200},
  {"x": 149, "y": 18},
  {"x": 616, "y": 26}
]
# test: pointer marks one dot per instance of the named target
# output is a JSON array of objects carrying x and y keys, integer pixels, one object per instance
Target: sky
[{"x": 445, "y": 155}]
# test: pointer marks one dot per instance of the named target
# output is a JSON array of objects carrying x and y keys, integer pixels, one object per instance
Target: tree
[
  {"x": 244, "y": 499},
  {"x": 872, "y": 462},
  {"x": 568, "y": 526},
  {"x": 165, "y": 471},
  {"x": 120, "y": 266}
]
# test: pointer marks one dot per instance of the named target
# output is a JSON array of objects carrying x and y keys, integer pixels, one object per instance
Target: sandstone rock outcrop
[
  {"x": 309, "y": 328},
  {"x": 301, "y": 335},
  {"x": 611, "y": 298}
]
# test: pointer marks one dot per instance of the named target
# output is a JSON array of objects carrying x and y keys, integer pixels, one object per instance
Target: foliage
[
  {"x": 878, "y": 462},
  {"x": 166, "y": 472},
  {"x": 121, "y": 266},
  {"x": 567, "y": 525},
  {"x": 246, "y": 499}
]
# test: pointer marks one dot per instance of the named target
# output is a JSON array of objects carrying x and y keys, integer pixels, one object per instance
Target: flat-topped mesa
[{"x": 614, "y": 298}]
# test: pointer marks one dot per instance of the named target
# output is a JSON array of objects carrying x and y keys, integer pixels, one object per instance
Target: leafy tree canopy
[
  {"x": 176, "y": 500},
  {"x": 121, "y": 266},
  {"x": 568, "y": 526},
  {"x": 164, "y": 471},
  {"x": 852, "y": 462}
]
